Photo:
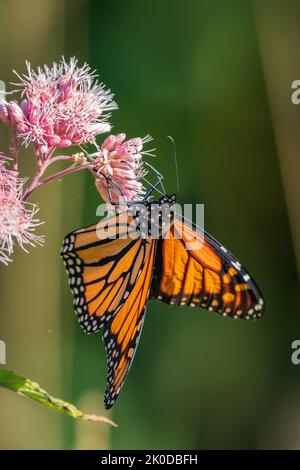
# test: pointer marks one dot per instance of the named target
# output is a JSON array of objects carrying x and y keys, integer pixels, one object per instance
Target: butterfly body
[{"x": 149, "y": 251}]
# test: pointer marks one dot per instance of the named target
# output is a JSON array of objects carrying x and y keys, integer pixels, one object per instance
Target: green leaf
[{"x": 32, "y": 390}]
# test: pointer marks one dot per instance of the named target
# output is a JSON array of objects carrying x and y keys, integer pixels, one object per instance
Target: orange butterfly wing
[
  {"x": 110, "y": 279},
  {"x": 198, "y": 271},
  {"x": 121, "y": 334},
  {"x": 98, "y": 260}
]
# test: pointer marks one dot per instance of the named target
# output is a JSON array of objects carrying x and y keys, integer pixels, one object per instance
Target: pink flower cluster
[
  {"x": 17, "y": 218},
  {"x": 62, "y": 106},
  {"x": 119, "y": 168}
]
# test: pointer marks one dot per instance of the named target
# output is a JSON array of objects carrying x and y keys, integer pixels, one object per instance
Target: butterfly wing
[
  {"x": 121, "y": 333},
  {"x": 99, "y": 261},
  {"x": 197, "y": 270},
  {"x": 110, "y": 270}
]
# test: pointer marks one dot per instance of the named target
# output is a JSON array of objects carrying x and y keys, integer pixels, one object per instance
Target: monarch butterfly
[{"x": 113, "y": 277}]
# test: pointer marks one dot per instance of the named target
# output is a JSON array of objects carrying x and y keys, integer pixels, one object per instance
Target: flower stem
[
  {"x": 67, "y": 171},
  {"x": 37, "y": 181}
]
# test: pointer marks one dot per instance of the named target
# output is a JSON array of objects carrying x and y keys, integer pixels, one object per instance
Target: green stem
[{"x": 32, "y": 390}]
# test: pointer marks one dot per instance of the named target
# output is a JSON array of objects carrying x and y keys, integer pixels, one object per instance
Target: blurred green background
[{"x": 217, "y": 77}]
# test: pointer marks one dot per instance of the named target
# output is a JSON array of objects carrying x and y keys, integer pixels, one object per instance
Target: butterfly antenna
[{"x": 176, "y": 163}]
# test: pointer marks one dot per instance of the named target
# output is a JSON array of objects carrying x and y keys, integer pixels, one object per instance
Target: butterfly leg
[
  {"x": 120, "y": 203},
  {"x": 153, "y": 187},
  {"x": 159, "y": 181}
]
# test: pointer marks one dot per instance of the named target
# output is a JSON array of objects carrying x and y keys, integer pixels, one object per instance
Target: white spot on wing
[{"x": 236, "y": 265}]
